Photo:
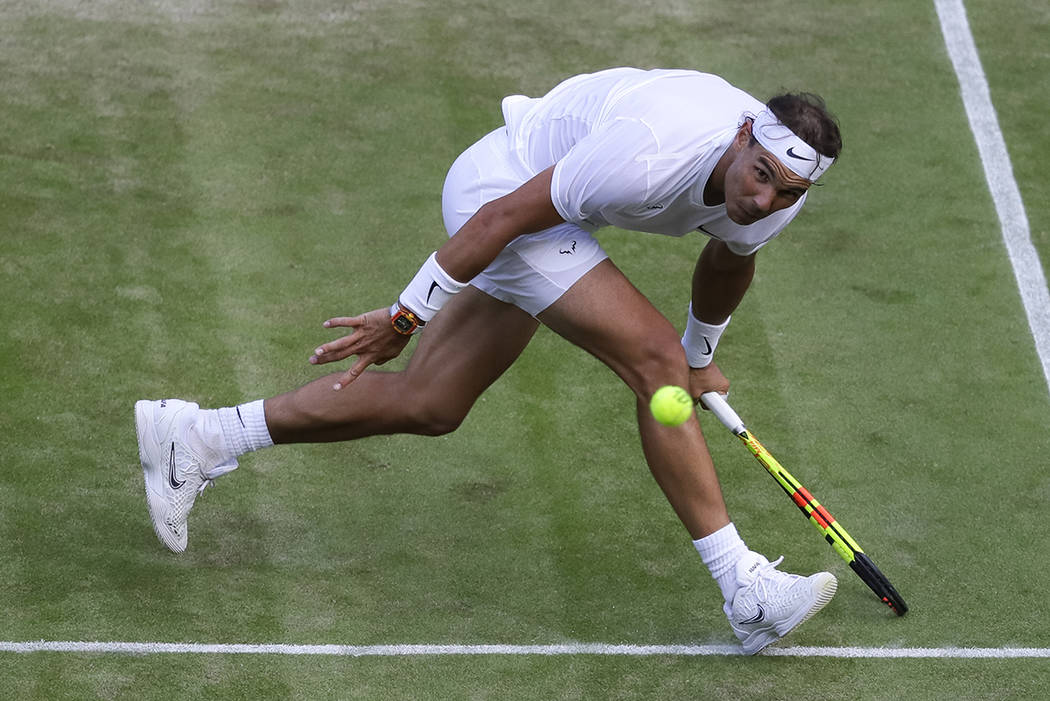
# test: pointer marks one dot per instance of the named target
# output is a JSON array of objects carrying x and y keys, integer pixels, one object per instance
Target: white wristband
[
  {"x": 429, "y": 290},
  {"x": 700, "y": 340}
]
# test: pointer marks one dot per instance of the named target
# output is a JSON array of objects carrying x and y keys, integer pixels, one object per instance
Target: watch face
[{"x": 403, "y": 324}]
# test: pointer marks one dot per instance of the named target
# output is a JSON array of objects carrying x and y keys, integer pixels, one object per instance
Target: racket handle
[{"x": 721, "y": 409}]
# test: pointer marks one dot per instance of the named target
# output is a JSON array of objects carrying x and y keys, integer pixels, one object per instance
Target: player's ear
[{"x": 743, "y": 135}]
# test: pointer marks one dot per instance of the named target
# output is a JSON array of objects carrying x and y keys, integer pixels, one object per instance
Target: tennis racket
[{"x": 832, "y": 530}]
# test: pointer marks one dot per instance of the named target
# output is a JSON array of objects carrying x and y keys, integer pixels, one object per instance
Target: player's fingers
[
  {"x": 336, "y": 349},
  {"x": 348, "y": 321},
  {"x": 352, "y": 374},
  {"x": 700, "y": 402}
]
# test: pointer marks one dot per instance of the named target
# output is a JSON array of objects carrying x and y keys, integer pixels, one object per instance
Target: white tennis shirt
[{"x": 634, "y": 149}]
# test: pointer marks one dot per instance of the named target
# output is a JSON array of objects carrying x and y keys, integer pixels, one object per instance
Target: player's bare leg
[
  {"x": 464, "y": 349},
  {"x": 641, "y": 346},
  {"x": 762, "y": 603}
]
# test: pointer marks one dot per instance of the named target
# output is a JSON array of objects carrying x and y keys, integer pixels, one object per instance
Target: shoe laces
[
  {"x": 211, "y": 475},
  {"x": 763, "y": 579}
]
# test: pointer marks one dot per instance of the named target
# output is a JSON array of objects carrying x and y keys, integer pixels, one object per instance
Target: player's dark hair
[{"x": 807, "y": 116}]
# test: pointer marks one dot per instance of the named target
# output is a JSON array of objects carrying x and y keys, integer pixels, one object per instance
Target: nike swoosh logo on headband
[{"x": 791, "y": 152}]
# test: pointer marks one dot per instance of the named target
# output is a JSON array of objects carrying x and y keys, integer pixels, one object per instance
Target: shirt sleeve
[{"x": 606, "y": 171}]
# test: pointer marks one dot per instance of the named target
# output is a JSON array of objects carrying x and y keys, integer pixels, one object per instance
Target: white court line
[
  {"x": 599, "y": 649},
  {"x": 999, "y": 173}
]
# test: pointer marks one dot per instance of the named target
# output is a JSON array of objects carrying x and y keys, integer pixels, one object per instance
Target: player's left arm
[{"x": 721, "y": 278}]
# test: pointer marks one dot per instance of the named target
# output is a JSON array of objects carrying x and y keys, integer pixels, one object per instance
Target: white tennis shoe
[
  {"x": 180, "y": 456},
  {"x": 770, "y": 604}
]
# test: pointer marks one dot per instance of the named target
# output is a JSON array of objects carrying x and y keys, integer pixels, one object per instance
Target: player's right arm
[
  {"x": 524, "y": 211},
  {"x": 375, "y": 341},
  {"x": 602, "y": 170}
]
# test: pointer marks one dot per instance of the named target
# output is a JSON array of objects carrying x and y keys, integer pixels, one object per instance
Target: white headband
[{"x": 790, "y": 150}]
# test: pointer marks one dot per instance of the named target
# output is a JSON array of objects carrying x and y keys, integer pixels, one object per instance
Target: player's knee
[
  {"x": 660, "y": 361},
  {"x": 436, "y": 419}
]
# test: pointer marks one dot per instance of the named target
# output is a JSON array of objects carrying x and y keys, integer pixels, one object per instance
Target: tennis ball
[{"x": 671, "y": 405}]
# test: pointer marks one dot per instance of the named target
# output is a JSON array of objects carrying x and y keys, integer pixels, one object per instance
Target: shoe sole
[
  {"x": 825, "y": 585},
  {"x": 154, "y": 503}
]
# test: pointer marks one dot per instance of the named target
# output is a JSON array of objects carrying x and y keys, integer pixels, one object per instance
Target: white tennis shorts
[{"x": 534, "y": 270}]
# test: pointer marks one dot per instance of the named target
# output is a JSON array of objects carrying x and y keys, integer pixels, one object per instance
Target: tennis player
[{"x": 667, "y": 152}]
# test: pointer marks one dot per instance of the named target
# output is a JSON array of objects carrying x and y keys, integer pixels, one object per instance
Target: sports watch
[{"x": 404, "y": 321}]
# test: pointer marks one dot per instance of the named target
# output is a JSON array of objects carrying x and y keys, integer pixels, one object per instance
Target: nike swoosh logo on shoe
[
  {"x": 172, "y": 479},
  {"x": 757, "y": 618}
]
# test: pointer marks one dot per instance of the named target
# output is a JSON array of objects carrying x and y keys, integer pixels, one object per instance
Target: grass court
[{"x": 188, "y": 188}]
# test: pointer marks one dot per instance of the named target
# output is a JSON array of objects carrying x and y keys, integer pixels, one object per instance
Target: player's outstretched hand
[
  {"x": 374, "y": 341},
  {"x": 708, "y": 379}
]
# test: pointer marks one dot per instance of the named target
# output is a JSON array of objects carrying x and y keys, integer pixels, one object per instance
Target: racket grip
[{"x": 721, "y": 409}]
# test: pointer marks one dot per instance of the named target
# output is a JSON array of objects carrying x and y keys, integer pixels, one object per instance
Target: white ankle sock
[
  {"x": 244, "y": 427},
  {"x": 720, "y": 552}
]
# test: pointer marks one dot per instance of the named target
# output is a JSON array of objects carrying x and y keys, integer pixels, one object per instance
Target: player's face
[{"x": 758, "y": 184}]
